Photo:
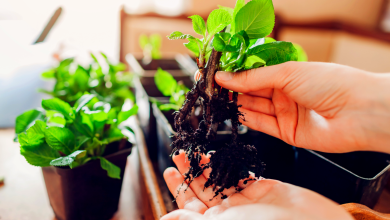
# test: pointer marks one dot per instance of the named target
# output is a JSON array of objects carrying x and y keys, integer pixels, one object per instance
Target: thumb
[{"x": 270, "y": 77}]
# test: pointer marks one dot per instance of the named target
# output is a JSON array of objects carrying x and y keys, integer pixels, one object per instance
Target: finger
[
  {"x": 260, "y": 122},
  {"x": 256, "y": 104},
  {"x": 260, "y": 188},
  {"x": 185, "y": 200},
  {"x": 182, "y": 214},
  {"x": 269, "y": 77},
  {"x": 197, "y": 185},
  {"x": 265, "y": 93},
  {"x": 247, "y": 181}
]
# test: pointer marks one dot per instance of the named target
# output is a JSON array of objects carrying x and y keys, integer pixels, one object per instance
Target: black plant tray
[
  {"x": 357, "y": 177},
  {"x": 145, "y": 87},
  {"x": 86, "y": 192}
]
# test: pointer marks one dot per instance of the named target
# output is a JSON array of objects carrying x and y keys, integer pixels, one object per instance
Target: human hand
[
  {"x": 261, "y": 199},
  {"x": 319, "y": 106}
]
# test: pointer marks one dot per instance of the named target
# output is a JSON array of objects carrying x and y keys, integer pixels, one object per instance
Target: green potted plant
[{"x": 82, "y": 150}]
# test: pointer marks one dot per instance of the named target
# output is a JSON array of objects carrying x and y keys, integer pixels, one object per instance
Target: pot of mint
[{"x": 82, "y": 150}]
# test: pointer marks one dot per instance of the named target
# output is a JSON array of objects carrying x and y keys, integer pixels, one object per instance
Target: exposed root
[{"x": 229, "y": 164}]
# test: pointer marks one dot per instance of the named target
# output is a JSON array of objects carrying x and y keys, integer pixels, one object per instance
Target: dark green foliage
[
  {"x": 82, "y": 135},
  {"x": 168, "y": 86},
  {"x": 107, "y": 81}
]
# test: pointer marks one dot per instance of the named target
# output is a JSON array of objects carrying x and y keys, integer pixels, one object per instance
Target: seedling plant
[
  {"x": 232, "y": 40},
  {"x": 168, "y": 86},
  {"x": 65, "y": 136},
  {"x": 151, "y": 47}
]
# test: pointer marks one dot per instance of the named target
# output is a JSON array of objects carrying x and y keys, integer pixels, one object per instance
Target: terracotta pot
[{"x": 86, "y": 192}]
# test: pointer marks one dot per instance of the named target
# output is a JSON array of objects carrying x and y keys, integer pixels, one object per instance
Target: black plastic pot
[
  {"x": 278, "y": 156},
  {"x": 86, "y": 192},
  {"x": 357, "y": 177},
  {"x": 181, "y": 68},
  {"x": 165, "y": 134}
]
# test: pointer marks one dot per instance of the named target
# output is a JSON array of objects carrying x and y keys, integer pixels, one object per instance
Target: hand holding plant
[
  {"x": 233, "y": 40},
  {"x": 319, "y": 106}
]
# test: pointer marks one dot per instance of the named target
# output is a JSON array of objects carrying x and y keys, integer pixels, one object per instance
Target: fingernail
[{"x": 224, "y": 76}]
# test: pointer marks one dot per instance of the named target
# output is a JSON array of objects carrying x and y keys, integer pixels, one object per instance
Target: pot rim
[
  {"x": 387, "y": 168},
  {"x": 107, "y": 157}
]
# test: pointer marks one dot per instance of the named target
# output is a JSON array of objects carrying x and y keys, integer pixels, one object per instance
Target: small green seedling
[
  {"x": 168, "y": 86},
  {"x": 151, "y": 47},
  {"x": 233, "y": 39},
  {"x": 71, "y": 136},
  {"x": 72, "y": 80}
]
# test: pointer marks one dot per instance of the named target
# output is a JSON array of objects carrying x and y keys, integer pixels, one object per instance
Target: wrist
[{"x": 375, "y": 116}]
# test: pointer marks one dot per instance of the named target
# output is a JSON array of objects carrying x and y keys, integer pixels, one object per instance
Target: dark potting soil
[{"x": 170, "y": 115}]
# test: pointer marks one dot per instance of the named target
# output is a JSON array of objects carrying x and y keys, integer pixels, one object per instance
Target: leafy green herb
[
  {"x": 168, "y": 86},
  {"x": 112, "y": 86},
  {"x": 151, "y": 47},
  {"x": 70, "y": 160},
  {"x": 112, "y": 170},
  {"x": 81, "y": 137}
]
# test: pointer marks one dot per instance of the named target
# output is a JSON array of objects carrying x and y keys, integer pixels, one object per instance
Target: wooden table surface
[{"x": 23, "y": 195}]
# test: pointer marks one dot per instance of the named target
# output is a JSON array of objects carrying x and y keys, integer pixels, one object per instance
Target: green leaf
[
  {"x": 239, "y": 5},
  {"x": 302, "y": 56},
  {"x": 225, "y": 36},
  {"x": 120, "y": 67},
  {"x": 218, "y": 43},
  {"x": 165, "y": 82},
  {"x": 49, "y": 74},
  {"x": 253, "y": 62},
  {"x": 58, "y": 105},
  {"x": 268, "y": 40},
  {"x": 143, "y": 40},
  {"x": 39, "y": 155},
  {"x": 112, "y": 135},
  {"x": 217, "y": 21},
  {"x": 194, "y": 45},
  {"x": 123, "y": 116},
  {"x": 55, "y": 119},
  {"x": 275, "y": 52},
  {"x": 81, "y": 78},
  {"x": 229, "y": 10},
  {"x": 81, "y": 102},
  {"x": 199, "y": 25},
  {"x": 34, "y": 135},
  {"x": 155, "y": 41},
  {"x": 27, "y": 119},
  {"x": 80, "y": 140},
  {"x": 68, "y": 160},
  {"x": 61, "y": 139},
  {"x": 84, "y": 124},
  {"x": 257, "y": 18},
  {"x": 243, "y": 37},
  {"x": 169, "y": 106},
  {"x": 176, "y": 35},
  {"x": 112, "y": 170}
]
